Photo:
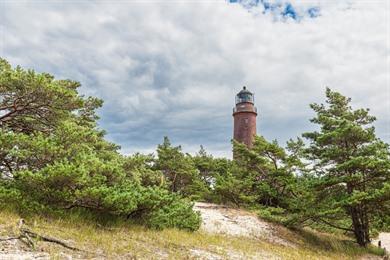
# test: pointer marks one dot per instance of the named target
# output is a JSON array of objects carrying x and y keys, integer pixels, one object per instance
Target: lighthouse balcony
[{"x": 245, "y": 109}]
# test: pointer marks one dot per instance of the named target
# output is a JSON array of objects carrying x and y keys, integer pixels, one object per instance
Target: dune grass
[{"x": 116, "y": 239}]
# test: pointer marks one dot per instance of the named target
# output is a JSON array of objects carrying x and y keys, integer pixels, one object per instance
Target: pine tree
[
  {"x": 351, "y": 166},
  {"x": 179, "y": 170}
]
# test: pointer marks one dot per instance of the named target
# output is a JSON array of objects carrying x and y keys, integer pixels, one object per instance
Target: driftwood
[
  {"x": 26, "y": 236},
  {"x": 28, "y": 233}
]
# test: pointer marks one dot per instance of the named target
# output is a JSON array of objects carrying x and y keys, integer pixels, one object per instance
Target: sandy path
[{"x": 234, "y": 222}]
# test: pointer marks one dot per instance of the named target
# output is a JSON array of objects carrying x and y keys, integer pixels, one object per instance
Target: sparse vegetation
[{"x": 124, "y": 239}]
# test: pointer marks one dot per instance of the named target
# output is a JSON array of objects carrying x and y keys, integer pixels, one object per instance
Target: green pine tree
[
  {"x": 179, "y": 170},
  {"x": 351, "y": 168}
]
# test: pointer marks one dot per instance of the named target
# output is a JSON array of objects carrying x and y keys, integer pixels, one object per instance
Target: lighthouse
[{"x": 244, "y": 114}]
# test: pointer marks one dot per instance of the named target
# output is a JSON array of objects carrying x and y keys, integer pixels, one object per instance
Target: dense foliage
[{"x": 54, "y": 158}]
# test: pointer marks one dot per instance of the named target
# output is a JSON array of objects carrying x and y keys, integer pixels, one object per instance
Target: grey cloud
[{"x": 173, "y": 69}]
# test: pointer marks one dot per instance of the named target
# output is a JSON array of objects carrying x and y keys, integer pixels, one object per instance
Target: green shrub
[{"x": 177, "y": 213}]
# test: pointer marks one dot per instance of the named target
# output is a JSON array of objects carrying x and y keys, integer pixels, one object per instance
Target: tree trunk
[
  {"x": 359, "y": 225},
  {"x": 174, "y": 185}
]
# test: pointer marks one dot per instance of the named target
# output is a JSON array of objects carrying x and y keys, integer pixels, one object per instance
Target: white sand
[{"x": 234, "y": 222}]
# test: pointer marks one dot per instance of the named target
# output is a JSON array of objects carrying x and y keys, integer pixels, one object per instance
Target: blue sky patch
[
  {"x": 289, "y": 11},
  {"x": 282, "y": 9},
  {"x": 314, "y": 12}
]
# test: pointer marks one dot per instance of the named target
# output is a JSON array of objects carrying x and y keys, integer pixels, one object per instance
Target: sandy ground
[
  {"x": 14, "y": 249},
  {"x": 231, "y": 255},
  {"x": 234, "y": 222},
  {"x": 385, "y": 240},
  {"x": 23, "y": 256}
]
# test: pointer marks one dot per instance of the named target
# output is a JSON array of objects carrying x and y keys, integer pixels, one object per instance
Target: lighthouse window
[{"x": 246, "y": 121}]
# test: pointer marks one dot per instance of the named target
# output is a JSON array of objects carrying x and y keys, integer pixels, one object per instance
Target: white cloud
[{"x": 173, "y": 69}]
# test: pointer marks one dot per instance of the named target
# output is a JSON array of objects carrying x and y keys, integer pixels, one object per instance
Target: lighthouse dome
[{"x": 244, "y": 96}]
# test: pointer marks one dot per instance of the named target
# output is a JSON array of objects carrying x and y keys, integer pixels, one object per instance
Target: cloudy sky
[{"x": 173, "y": 67}]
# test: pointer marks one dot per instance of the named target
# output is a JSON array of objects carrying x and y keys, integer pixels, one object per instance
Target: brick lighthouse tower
[{"x": 244, "y": 115}]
